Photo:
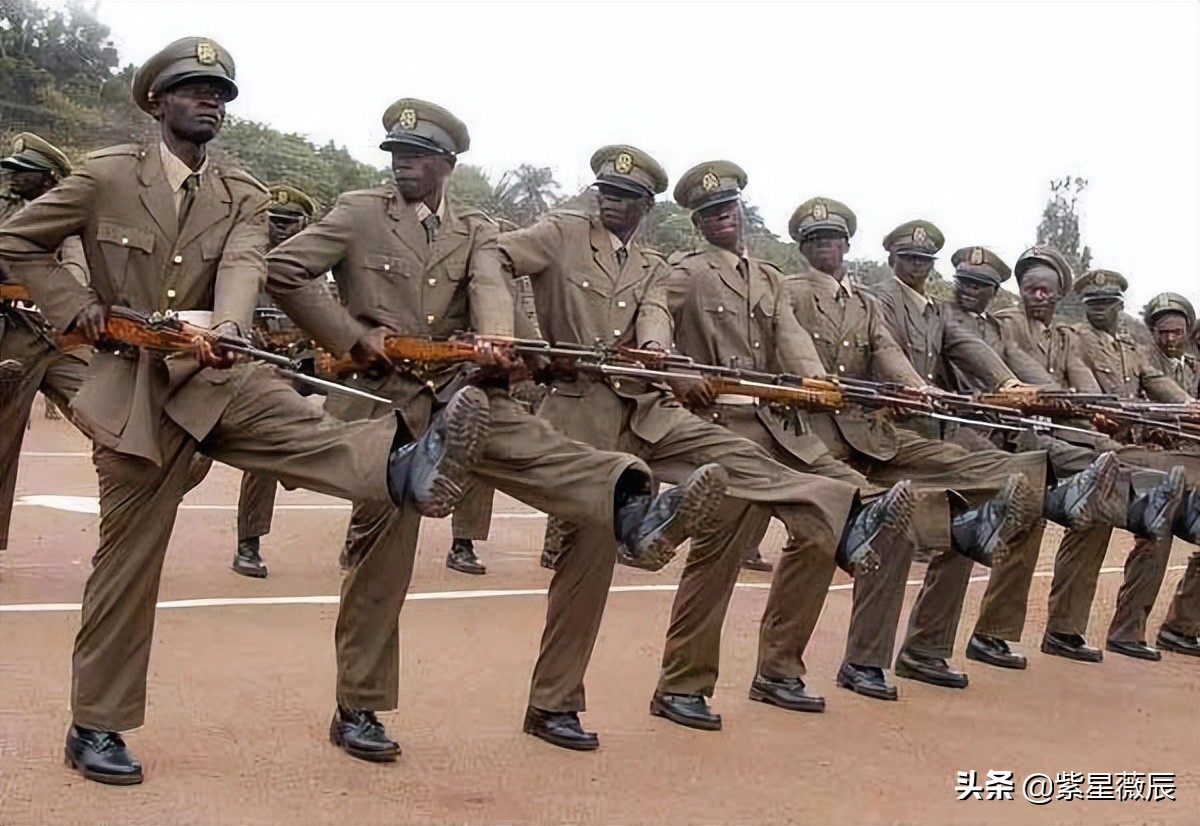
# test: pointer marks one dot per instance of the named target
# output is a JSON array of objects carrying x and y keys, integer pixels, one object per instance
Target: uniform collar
[
  {"x": 615, "y": 240},
  {"x": 730, "y": 258},
  {"x": 175, "y": 169},
  {"x": 423, "y": 211},
  {"x": 912, "y": 297}
]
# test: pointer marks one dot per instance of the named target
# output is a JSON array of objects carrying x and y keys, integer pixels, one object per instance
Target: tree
[{"x": 519, "y": 198}]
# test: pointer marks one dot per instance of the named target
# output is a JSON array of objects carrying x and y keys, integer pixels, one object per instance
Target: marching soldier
[
  {"x": 26, "y": 340},
  {"x": 408, "y": 261},
  {"x": 165, "y": 228},
  {"x": 852, "y": 337},
  {"x": 595, "y": 285}
]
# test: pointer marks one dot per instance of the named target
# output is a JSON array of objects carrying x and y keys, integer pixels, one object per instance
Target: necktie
[
  {"x": 622, "y": 257},
  {"x": 190, "y": 184},
  {"x": 743, "y": 269},
  {"x": 431, "y": 222}
]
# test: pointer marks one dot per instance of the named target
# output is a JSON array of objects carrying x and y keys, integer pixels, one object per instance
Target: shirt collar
[
  {"x": 176, "y": 170},
  {"x": 423, "y": 210},
  {"x": 730, "y": 258},
  {"x": 844, "y": 285},
  {"x": 616, "y": 242},
  {"x": 912, "y": 296}
]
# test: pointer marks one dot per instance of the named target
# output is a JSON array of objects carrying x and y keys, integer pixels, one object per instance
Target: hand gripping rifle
[{"x": 1162, "y": 424}]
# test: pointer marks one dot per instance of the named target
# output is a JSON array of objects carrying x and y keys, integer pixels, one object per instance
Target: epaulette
[
  {"x": 132, "y": 149},
  {"x": 244, "y": 177},
  {"x": 652, "y": 253},
  {"x": 679, "y": 256},
  {"x": 471, "y": 213},
  {"x": 770, "y": 266}
]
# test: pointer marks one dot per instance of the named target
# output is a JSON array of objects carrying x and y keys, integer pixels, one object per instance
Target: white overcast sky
[{"x": 955, "y": 112}]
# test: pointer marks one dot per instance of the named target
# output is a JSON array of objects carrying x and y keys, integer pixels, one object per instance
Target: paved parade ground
[{"x": 241, "y": 683}]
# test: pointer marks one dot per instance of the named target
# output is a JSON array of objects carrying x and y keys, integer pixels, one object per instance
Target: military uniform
[
  {"x": 26, "y": 337},
  {"x": 159, "y": 238},
  {"x": 594, "y": 287},
  {"x": 852, "y": 336}
]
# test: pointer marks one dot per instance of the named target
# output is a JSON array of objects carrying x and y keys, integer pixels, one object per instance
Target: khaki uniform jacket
[
  {"x": 123, "y": 209},
  {"x": 389, "y": 275},
  {"x": 1121, "y": 368},
  {"x": 853, "y": 341},
  {"x": 725, "y": 318},
  {"x": 584, "y": 297},
  {"x": 1055, "y": 347},
  {"x": 989, "y": 330},
  {"x": 1182, "y": 371}
]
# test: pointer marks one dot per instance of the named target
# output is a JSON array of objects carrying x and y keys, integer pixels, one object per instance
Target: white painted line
[
  {"x": 53, "y": 454},
  {"x": 91, "y": 504},
  {"x": 439, "y": 596}
]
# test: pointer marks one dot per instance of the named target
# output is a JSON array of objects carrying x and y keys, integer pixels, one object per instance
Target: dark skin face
[
  {"x": 1040, "y": 294},
  {"x": 190, "y": 114},
  {"x": 826, "y": 251},
  {"x": 27, "y": 184},
  {"x": 420, "y": 174},
  {"x": 621, "y": 211},
  {"x": 972, "y": 296},
  {"x": 1170, "y": 333},
  {"x": 282, "y": 227},
  {"x": 913, "y": 270},
  {"x": 722, "y": 226},
  {"x": 1104, "y": 313}
]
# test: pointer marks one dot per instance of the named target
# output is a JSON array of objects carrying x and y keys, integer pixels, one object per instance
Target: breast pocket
[
  {"x": 385, "y": 275},
  {"x": 123, "y": 247}
]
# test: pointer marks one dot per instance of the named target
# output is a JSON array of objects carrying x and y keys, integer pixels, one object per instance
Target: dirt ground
[{"x": 241, "y": 693}]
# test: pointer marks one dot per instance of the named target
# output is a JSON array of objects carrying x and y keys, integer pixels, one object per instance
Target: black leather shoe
[
  {"x": 360, "y": 734},
  {"x": 432, "y": 471},
  {"x": 785, "y": 692},
  {"x": 102, "y": 756},
  {"x": 689, "y": 710},
  {"x": 246, "y": 560},
  {"x": 1187, "y": 518},
  {"x": 1169, "y": 640},
  {"x": 753, "y": 561},
  {"x": 1137, "y": 649},
  {"x": 650, "y": 534},
  {"x": 560, "y": 728},
  {"x": 994, "y": 651},
  {"x": 1079, "y": 500},
  {"x": 1071, "y": 646},
  {"x": 984, "y": 534},
  {"x": 462, "y": 558},
  {"x": 876, "y": 530},
  {"x": 1153, "y": 515},
  {"x": 868, "y": 681},
  {"x": 932, "y": 670}
]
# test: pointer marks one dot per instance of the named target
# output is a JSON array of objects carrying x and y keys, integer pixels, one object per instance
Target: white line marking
[
  {"x": 438, "y": 596},
  {"x": 91, "y": 504},
  {"x": 53, "y": 454}
]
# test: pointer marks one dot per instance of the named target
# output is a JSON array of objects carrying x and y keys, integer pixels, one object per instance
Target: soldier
[
  {"x": 407, "y": 260},
  {"x": 595, "y": 285},
  {"x": 850, "y": 334},
  {"x": 26, "y": 340},
  {"x": 731, "y": 309},
  {"x": 290, "y": 211},
  {"x": 165, "y": 228}
]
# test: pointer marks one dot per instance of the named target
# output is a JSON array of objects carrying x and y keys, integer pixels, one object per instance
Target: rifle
[
  {"x": 167, "y": 333},
  {"x": 1165, "y": 423},
  {"x": 11, "y": 291}
]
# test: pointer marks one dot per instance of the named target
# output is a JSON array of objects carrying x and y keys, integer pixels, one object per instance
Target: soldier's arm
[
  {"x": 653, "y": 324},
  {"x": 888, "y": 361},
  {"x": 243, "y": 267},
  {"x": 492, "y": 310},
  {"x": 971, "y": 354},
  {"x": 29, "y": 242},
  {"x": 296, "y": 279},
  {"x": 679, "y": 285},
  {"x": 532, "y": 250},
  {"x": 794, "y": 346},
  {"x": 1157, "y": 385},
  {"x": 1076, "y": 371},
  {"x": 1026, "y": 368}
]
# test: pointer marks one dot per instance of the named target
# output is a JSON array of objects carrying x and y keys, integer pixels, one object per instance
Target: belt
[{"x": 735, "y": 399}]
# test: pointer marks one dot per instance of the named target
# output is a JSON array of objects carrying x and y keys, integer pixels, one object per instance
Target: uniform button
[
  {"x": 816, "y": 335},
  {"x": 433, "y": 282},
  {"x": 845, "y": 344},
  {"x": 429, "y": 319},
  {"x": 584, "y": 284},
  {"x": 841, "y": 368},
  {"x": 616, "y": 332},
  {"x": 178, "y": 259},
  {"x": 429, "y": 384},
  {"x": 617, "y": 385},
  {"x": 387, "y": 267},
  {"x": 621, "y": 304},
  {"x": 170, "y": 293},
  {"x": 929, "y": 375},
  {"x": 124, "y": 240},
  {"x": 756, "y": 345},
  {"x": 1051, "y": 369},
  {"x": 720, "y": 309}
]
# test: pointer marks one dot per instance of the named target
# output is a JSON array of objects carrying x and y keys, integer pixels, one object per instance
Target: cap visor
[
  {"x": 167, "y": 84},
  {"x": 977, "y": 277},
  {"x": 932, "y": 256},
  {"x": 824, "y": 226},
  {"x": 17, "y": 164},
  {"x": 398, "y": 141},
  {"x": 622, "y": 183},
  {"x": 718, "y": 198}
]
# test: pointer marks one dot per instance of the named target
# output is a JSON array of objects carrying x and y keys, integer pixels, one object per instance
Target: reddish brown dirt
[{"x": 240, "y": 697}]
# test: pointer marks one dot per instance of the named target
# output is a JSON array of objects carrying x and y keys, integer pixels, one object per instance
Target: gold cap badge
[
  {"x": 407, "y": 119},
  {"x": 281, "y": 196},
  {"x": 623, "y": 163},
  {"x": 1099, "y": 280},
  {"x": 977, "y": 256},
  {"x": 710, "y": 181},
  {"x": 920, "y": 235},
  {"x": 820, "y": 211},
  {"x": 206, "y": 52}
]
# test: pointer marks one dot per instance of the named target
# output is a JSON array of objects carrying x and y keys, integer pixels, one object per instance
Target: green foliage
[{"x": 519, "y": 198}]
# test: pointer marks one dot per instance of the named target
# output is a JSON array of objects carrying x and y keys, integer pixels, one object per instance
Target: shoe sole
[
  {"x": 1058, "y": 652},
  {"x": 1165, "y": 645},
  {"x": 336, "y": 739},
  {"x": 562, "y": 743},
  {"x": 899, "y": 505},
  {"x": 1022, "y": 510},
  {"x": 658, "y": 709},
  {"x": 1138, "y": 656},
  {"x": 700, "y": 496},
  {"x": 910, "y": 673},
  {"x": 1090, "y": 509},
  {"x": 107, "y": 779},
  {"x": 466, "y": 424},
  {"x": 1012, "y": 665},
  {"x": 760, "y": 696},
  {"x": 473, "y": 570},
  {"x": 1161, "y": 527},
  {"x": 253, "y": 573},
  {"x": 847, "y": 683}
]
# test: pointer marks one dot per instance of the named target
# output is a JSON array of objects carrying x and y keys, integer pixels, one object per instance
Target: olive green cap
[
  {"x": 185, "y": 59},
  {"x": 1046, "y": 256},
  {"x": 33, "y": 154},
  {"x": 707, "y": 184},
  {"x": 1169, "y": 303},
  {"x": 289, "y": 201},
  {"x": 1097, "y": 285},
  {"x": 419, "y": 123},
  {"x": 820, "y": 213},
  {"x": 920, "y": 238},
  {"x": 629, "y": 168},
  {"x": 980, "y": 264}
]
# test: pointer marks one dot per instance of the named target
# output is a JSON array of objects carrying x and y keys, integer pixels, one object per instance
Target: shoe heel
[{"x": 69, "y": 760}]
